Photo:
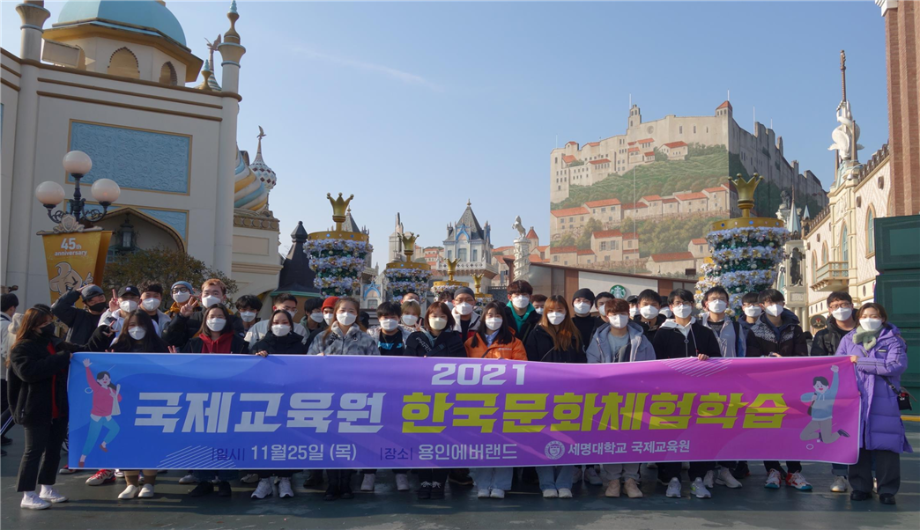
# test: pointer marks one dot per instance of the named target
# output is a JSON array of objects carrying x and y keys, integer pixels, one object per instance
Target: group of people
[{"x": 529, "y": 327}]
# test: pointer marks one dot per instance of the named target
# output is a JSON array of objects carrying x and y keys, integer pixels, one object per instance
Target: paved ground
[{"x": 96, "y": 508}]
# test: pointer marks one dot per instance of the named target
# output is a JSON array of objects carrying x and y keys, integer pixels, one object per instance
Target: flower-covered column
[
  {"x": 337, "y": 256},
  {"x": 407, "y": 276}
]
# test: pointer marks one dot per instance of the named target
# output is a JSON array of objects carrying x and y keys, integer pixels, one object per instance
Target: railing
[{"x": 832, "y": 271}]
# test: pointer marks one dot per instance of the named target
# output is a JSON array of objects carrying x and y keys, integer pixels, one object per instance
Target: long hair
[
  {"x": 335, "y": 311},
  {"x": 505, "y": 336},
  {"x": 205, "y": 331},
  {"x": 151, "y": 343},
  {"x": 565, "y": 335},
  {"x": 444, "y": 309},
  {"x": 33, "y": 317}
]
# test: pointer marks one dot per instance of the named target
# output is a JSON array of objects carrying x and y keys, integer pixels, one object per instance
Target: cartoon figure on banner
[
  {"x": 68, "y": 279},
  {"x": 105, "y": 405},
  {"x": 821, "y": 410}
]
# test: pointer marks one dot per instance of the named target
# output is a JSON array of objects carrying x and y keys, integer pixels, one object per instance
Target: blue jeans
[
  {"x": 493, "y": 478},
  {"x": 94, "y": 428},
  {"x": 554, "y": 478},
  {"x": 223, "y": 475}
]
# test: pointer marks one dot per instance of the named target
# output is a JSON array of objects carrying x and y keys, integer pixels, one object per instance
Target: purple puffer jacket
[{"x": 881, "y": 423}]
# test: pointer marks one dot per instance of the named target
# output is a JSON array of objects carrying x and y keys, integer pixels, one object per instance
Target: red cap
[{"x": 330, "y": 302}]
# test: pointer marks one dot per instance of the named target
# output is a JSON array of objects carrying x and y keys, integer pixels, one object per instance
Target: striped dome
[{"x": 250, "y": 192}]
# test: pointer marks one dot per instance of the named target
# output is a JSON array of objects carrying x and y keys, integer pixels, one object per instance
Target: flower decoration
[{"x": 338, "y": 264}]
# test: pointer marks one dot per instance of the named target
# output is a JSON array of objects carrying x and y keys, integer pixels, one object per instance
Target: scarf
[
  {"x": 221, "y": 345},
  {"x": 865, "y": 337}
]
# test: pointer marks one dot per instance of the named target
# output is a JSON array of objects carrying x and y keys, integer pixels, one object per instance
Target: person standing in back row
[
  {"x": 519, "y": 313},
  {"x": 582, "y": 304}
]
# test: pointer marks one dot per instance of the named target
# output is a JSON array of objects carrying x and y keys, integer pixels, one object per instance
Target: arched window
[
  {"x": 870, "y": 231},
  {"x": 844, "y": 245},
  {"x": 168, "y": 74},
  {"x": 814, "y": 266},
  {"x": 123, "y": 63},
  {"x": 824, "y": 254}
]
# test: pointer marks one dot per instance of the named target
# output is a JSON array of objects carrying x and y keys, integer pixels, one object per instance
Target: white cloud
[{"x": 405, "y": 77}]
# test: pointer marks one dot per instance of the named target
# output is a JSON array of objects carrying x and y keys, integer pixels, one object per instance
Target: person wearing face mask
[
  {"x": 582, "y": 303},
  {"x": 181, "y": 292},
  {"x": 282, "y": 302},
  {"x": 313, "y": 322},
  {"x": 467, "y": 320},
  {"x": 519, "y": 313},
  {"x": 633, "y": 306},
  {"x": 538, "y": 301},
  {"x": 650, "y": 316},
  {"x": 411, "y": 315},
  {"x": 681, "y": 337},
  {"x": 215, "y": 335},
  {"x": 329, "y": 310},
  {"x": 81, "y": 322},
  {"x": 10, "y": 302},
  {"x": 879, "y": 353},
  {"x": 247, "y": 308},
  {"x": 127, "y": 300},
  {"x": 190, "y": 317},
  {"x": 602, "y": 299},
  {"x": 777, "y": 333},
  {"x": 616, "y": 341},
  {"x": 151, "y": 300},
  {"x": 750, "y": 307}
]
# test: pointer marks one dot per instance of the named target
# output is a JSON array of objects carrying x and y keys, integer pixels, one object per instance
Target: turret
[
  {"x": 33, "y": 15},
  {"x": 635, "y": 116},
  {"x": 231, "y": 51}
]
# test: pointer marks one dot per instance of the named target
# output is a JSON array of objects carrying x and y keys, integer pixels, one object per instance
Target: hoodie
[
  {"x": 827, "y": 340},
  {"x": 640, "y": 348}
]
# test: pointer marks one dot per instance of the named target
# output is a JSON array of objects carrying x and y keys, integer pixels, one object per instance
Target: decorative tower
[
  {"x": 339, "y": 256},
  {"x": 404, "y": 274}
]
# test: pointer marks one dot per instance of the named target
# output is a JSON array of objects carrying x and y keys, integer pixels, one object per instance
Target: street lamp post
[{"x": 104, "y": 191}]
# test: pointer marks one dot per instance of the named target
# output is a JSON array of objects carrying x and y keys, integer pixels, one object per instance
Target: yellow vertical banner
[{"x": 75, "y": 259}]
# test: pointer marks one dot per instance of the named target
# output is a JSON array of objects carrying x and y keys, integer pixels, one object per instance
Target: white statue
[
  {"x": 519, "y": 227},
  {"x": 846, "y": 135}
]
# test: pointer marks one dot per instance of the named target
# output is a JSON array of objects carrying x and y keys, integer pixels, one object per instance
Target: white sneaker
[
  {"x": 130, "y": 492},
  {"x": 550, "y": 494},
  {"x": 66, "y": 470},
  {"x": 368, "y": 483},
  {"x": 498, "y": 494},
  {"x": 190, "y": 479},
  {"x": 709, "y": 478},
  {"x": 673, "y": 489},
  {"x": 146, "y": 491},
  {"x": 402, "y": 482},
  {"x": 839, "y": 485},
  {"x": 264, "y": 489},
  {"x": 773, "y": 480},
  {"x": 565, "y": 493},
  {"x": 51, "y": 495},
  {"x": 119, "y": 473},
  {"x": 251, "y": 478},
  {"x": 285, "y": 491},
  {"x": 797, "y": 481},
  {"x": 726, "y": 479},
  {"x": 591, "y": 477},
  {"x": 875, "y": 486},
  {"x": 483, "y": 494},
  {"x": 699, "y": 489},
  {"x": 34, "y": 502}
]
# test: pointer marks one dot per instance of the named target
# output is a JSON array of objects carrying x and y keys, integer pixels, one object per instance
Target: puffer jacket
[
  {"x": 290, "y": 344},
  {"x": 335, "y": 342},
  {"x": 477, "y": 349},
  {"x": 447, "y": 344},
  {"x": 540, "y": 348},
  {"x": 827, "y": 340},
  {"x": 640, "y": 348},
  {"x": 788, "y": 339},
  {"x": 37, "y": 380},
  {"x": 881, "y": 423}
]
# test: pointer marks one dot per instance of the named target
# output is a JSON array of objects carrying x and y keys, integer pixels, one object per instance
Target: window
[
  {"x": 475, "y": 254},
  {"x": 450, "y": 254},
  {"x": 168, "y": 74},
  {"x": 555, "y": 259},
  {"x": 870, "y": 231},
  {"x": 461, "y": 254},
  {"x": 680, "y": 130},
  {"x": 694, "y": 129},
  {"x": 123, "y": 63},
  {"x": 824, "y": 254},
  {"x": 606, "y": 258},
  {"x": 603, "y": 245},
  {"x": 845, "y": 245}
]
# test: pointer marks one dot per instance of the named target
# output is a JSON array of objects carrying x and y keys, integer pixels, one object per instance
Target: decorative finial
[
  {"x": 746, "y": 192},
  {"x": 477, "y": 282},
  {"x": 260, "y": 136},
  {"x": 843, "y": 72},
  {"x": 231, "y": 35},
  {"x": 409, "y": 245},
  {"x": 452, "y": 268},
  {"x": 468, "y": 203},
  {"x": 339, "y": 207},
  {"x": 206, "y": 75}
]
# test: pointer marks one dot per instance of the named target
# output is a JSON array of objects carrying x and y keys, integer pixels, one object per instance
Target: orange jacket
[{"x": 513, "y": 351}]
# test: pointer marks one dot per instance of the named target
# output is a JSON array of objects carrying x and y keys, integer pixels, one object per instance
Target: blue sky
[{"x": 417, "y": 107}]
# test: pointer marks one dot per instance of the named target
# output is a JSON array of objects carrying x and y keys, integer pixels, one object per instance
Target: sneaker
[
  {"x": 190, "y": 478},
  {"x": 592, "y": 478},
  {"x": 741, "y": 470},
  {"x": 402, "y": 482},
  {"x": 725, "y": 478},
  {"x": 673, "y": 488},
  {"x": 103, "y": 476},
  {"x": 860, "y": 496},
  {"x": 699, "y": 489},
  {"x": 565, "y": 493},
  {"x": 613, "y": 488},
  {"x": 437, "y": 490},
  {"x": 840, "y": 485},
  {"x": 285, "y": 491},
  {"x": 550, "y": 493},
  {"x": 578, "y": 476},
  {"x": 709, "y": 478},
  {"x": 51, "y": 495},
  {"x": 250, "y": 478},
  {"x": 498, "y": 494},
  {"x": 632, "y": 489},
  {"x": 264, "y": 489},
  {"x": 224, "y": 489},
  {"x": 797, "y": 481},
  {"x": 146, "y": 491},
  {"x": 130, "y": 492},
  {"x": 773, "y": 480},
  {"x": 119, "y": 473},
  {"x": 34, "y": 502},
  {"x": 483, "y": 494},
  {"x": 202, "y": 489},
  {"x": 368, "y": 483},
  {"x": 424, "y": 491},
  {"x": 875, "y": 486},
  {"x": 66, "y": 471}
]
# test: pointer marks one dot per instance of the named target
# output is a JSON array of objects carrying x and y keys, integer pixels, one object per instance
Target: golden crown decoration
[
  {"x": 477, "y": 282},
  {"x": 452, "y": 268},
  {"x": 409, "y": 245},
  {"x": 339, "y": 206},
  {"x": 746, "y": 192}
]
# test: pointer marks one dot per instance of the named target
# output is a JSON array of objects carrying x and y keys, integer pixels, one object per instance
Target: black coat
[
  {"x": 532, "y": 321},
  {"x": 35, "y": 376},
  {"x": 447, "y": 344},
  {"x": 81, "y": 322},
  {"x": 788, "y": 340},
  {"x": 182, "y": 329},
  {"x": 237, "y": 345},
  {"x": 290, "y": 344},
  {"x": 540, "y": 348},
  {"x": 827, "y": 340},
  {"x": 670, "y": 343},
  {"x": 650, "y": 333},
  {"x": 587, "y": 326}
]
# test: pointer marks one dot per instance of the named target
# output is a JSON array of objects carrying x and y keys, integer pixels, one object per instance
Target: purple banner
[{"x": 173, "y": 411}]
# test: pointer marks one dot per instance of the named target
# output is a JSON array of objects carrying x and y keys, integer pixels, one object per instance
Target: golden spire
[
  {"x": 452, "y": 268},
  {"x": 339, "y": 207},
  {"x": 409, "y": 245},
  {"x": 206, "y": 74},
  {"x": 746, "y": 192},
  {"x": 477, "y": 282},
  {"x": 231, "y": 35}
]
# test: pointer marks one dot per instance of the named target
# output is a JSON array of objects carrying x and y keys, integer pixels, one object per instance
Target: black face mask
[
  {"x": 98, "y": 308},
  {"x": 48, "y": 329}
]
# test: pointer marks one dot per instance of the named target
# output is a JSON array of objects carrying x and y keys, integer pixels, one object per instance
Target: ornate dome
[
  {"x": 249, "y": 192},
  {"x": 133, "y": 15},
  {"x": 260, "y": 168}
]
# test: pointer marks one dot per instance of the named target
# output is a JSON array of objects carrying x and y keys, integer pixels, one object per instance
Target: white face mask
[
  {"x": 753, "y": 311},
  {"x": 248, "y": 316},
  {"x": 409, "y": 320},
  {"x": 494, "y": 323},
  {"x": 328, "y": 318},
  {"x": 870, "y": 324},
  {"x": 619, "y": 321},
  {"x": 464, "y": 308},
  {"x": 842, "y": 313},
  {"x": 666, "y": 311},
  {"x": 633, "y": 311},
  {"x": 345, "y": 319},
  {"x": 437, "y": 323},
  {"x": 775, "y": 310},
  {"x": 520, "y": 301},
  {"x": 216, "y": 324},
  {"x": 555, "y": 317},
  {"x": 389, "y": 324},
  {"x": 648, "y": 311},
  {"x": 717, "y": 306},
  {"x": 137, "y": 332},
  {"x": 208, "y": 301},
  {"x": 182, "y": 296},
  {"x": 539, "y": 310},
  {"x": 280, "y": 330},
  {"x": 682, "y": 311},
  {"x": 582, "y": 308},
  {"x": 316, "y": 317},
  {"x": 600, "y": 309},
  {"x": 127, "y": 305},
  {"x": 150, "y": 304}
]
